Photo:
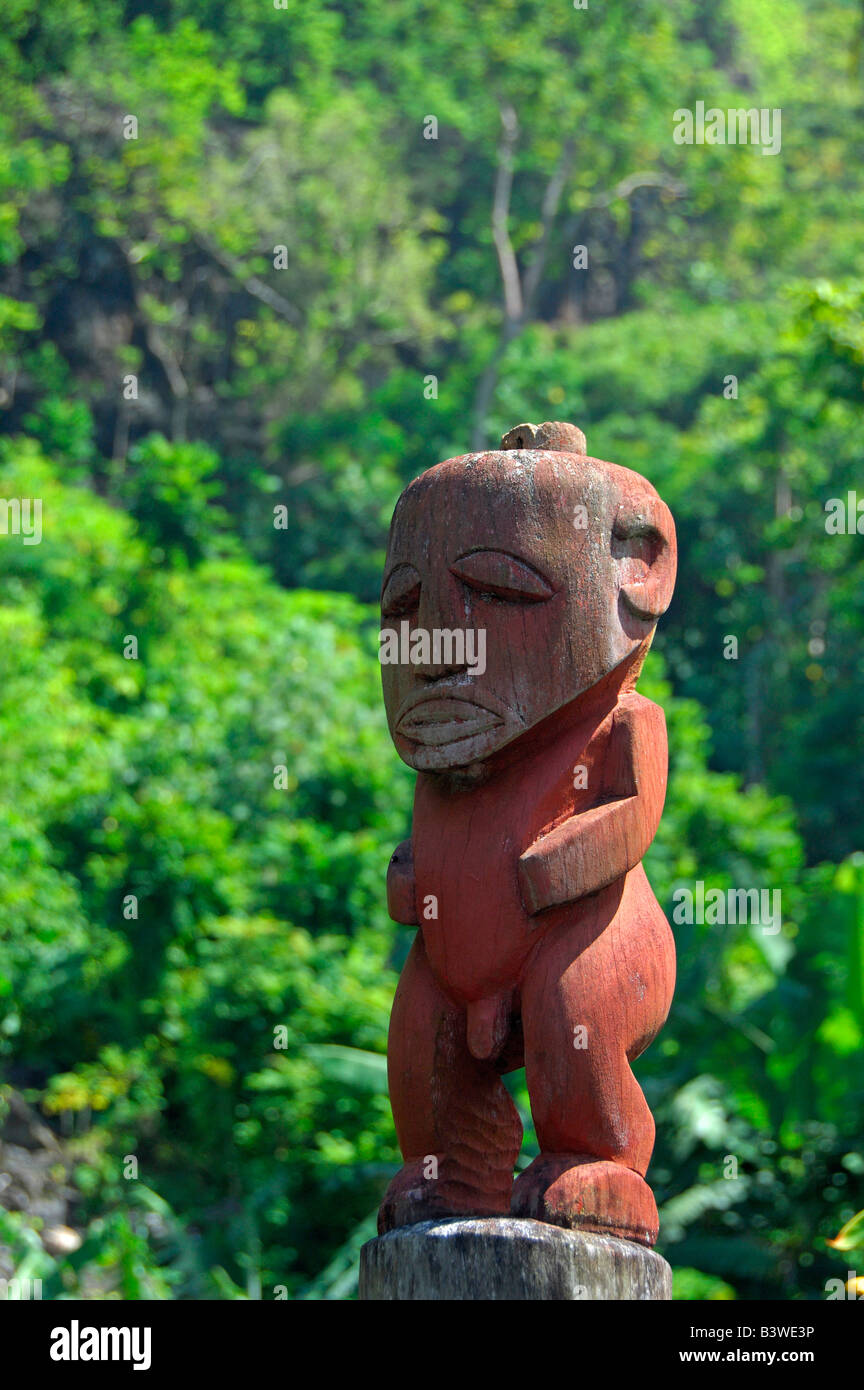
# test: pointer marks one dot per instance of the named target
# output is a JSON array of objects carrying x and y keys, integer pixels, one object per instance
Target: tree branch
[
  {"x": 251, "y": 283},
  {"x": 501, "y": 215},
  {"x": 518, "y": 303},
  {"x": 649, "y": 179},
  {"x": 548, "y": 213}
]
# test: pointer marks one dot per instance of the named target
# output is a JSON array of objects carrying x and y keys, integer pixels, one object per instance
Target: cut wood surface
[{"x": 501, "y": 1259}]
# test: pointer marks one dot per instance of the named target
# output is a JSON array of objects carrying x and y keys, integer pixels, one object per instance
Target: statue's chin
[{"x": 460, "y": 753}]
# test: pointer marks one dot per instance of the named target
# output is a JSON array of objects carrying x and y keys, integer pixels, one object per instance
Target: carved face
[{"x": 563, "y": 564}]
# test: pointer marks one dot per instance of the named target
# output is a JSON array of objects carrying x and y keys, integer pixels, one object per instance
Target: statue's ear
[{"x": 643, "y": 543}]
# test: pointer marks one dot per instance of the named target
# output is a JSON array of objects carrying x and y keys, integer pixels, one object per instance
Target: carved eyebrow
[
  {"x": 495, "y": 572},
  {"x": 401, "y": 589}
]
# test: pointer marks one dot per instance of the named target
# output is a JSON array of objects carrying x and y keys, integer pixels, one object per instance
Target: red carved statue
[{"x": 521, "y": 592}]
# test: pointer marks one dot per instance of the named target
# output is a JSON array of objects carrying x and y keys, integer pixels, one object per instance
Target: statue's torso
[{"x": 467, "y": 844}]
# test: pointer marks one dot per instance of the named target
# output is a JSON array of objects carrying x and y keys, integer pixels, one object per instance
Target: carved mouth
[{"x": 437, "y": 720}]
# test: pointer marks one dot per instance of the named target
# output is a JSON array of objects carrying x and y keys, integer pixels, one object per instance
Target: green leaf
[{"x": 851, "y": 1236}]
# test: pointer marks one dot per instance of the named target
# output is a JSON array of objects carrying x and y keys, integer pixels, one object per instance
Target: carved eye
[
  {"x": 401, "y": 592},
  {"x": 495, "y": 574}
]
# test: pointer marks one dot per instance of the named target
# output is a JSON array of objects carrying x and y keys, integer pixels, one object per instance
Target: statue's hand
[
  {"x": 593, "y": 848},
  {"x": 401, "y": 894},
  {"x": 543, "y": 882}
]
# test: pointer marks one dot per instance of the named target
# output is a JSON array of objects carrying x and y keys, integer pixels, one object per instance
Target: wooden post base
[{"x": 508, "y": 1259}]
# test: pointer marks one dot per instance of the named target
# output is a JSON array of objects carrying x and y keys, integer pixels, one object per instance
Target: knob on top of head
[{"x": 555, "y": 435}]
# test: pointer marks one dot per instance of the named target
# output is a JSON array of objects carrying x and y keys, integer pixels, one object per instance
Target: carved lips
[{"x": 436, "y": 720}]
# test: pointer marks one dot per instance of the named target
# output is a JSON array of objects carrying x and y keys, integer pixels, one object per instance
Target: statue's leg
[
  {"x": 458, "y": 1129},
  {"x": 596, "y": 993}
]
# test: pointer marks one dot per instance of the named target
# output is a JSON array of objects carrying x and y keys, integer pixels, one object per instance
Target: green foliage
[
  {"x": 690, "y": 1284},
  {"x": 168, "y": 490},
  {"x": 256, "y": 909},
  {"x": 198, "y": 796}
]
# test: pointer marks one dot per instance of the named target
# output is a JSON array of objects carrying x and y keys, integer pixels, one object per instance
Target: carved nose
[
  {"x": 432, "y": 673},
  {"x": 554, "y": 435},
  {"x": 440, "y": 612},
  {"x": 447, "y": 654}
]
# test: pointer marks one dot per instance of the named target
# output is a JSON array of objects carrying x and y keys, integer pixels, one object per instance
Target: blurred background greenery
[{"x": 196, "y": 965}]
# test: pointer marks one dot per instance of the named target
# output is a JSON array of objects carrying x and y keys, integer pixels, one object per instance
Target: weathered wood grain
[
  {"x": 508, "y": 1259},
  {"x": 541, "y": 780}
]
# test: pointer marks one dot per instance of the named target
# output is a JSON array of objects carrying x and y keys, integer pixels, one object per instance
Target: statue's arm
[
  {"x": 597, "y": 846},
  {"x": 401, "y": 903}
]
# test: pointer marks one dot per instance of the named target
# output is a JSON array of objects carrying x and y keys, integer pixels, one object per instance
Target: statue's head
[{"x": 541, "y": 571}]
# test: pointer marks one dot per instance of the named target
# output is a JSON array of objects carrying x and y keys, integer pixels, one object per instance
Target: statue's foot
[
  {"x": 417, "y": 1194},
  {"x": 587, "y": 1194}
]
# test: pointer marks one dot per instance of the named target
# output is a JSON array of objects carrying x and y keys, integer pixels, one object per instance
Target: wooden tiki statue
[{"x": 521, "y": 592}]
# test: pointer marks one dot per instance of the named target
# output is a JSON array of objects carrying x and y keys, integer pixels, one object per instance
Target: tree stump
[{"x": 505, "y": 1258}]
